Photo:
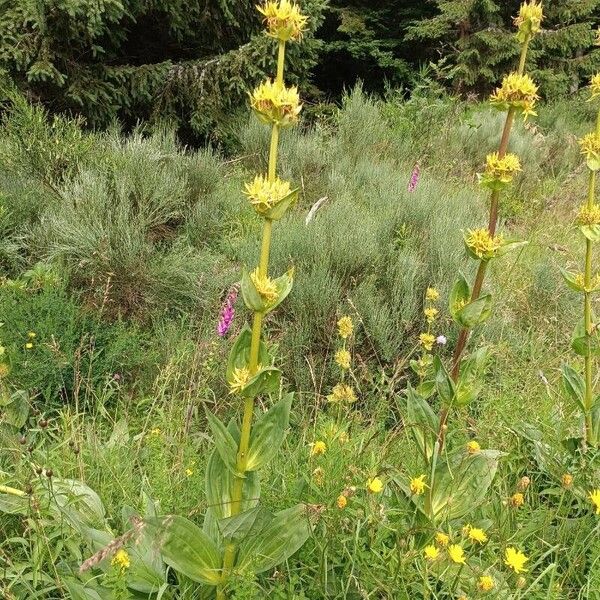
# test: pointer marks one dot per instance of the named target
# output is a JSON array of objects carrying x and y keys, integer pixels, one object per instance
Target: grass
[{"x": 117, "y": 252}]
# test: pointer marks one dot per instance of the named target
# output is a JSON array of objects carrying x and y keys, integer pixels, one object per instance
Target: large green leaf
[
  {"x": 282, "y": 206},
  {"x": 268, "y": 434},
  {"x": 185, "y": 548},
  {"x": 443, "y": 382},
  {"x": 476, "y": 312},
  {"x": 461, "y": 482},
  {"x": 264, "y": 381},
  {"x": 224, "y": 442},
  {"x": 583, "y": 343},
  {"x": 460, "y": 294},
  {"x": 281, "y": 538},
  {"x": 574, "y": 385},
  {"x": 239, "y": 357},
  {"x": 252, "y": 299},
  {"x": 423, "y": 422},
  {"x": 591, "y": 232},
  {"x": 16, "y": 409},
  {"x": 78, "y": 502},
  {"x": 470, "y": 379},
  {"x": 250, "y": 522}
]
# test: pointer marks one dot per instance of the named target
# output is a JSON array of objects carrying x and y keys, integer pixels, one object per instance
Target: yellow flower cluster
[
  {"x": 518, "y": 92},
  {"x": 342, "y": 393},
  {"x": 486, "y": 583},
  {"x": 529, "y": 19},
  {"x": 431, "y": 313},
  {"x": 239, "y": 380},
  {"x": 589, "y": 215},
  {"x": 375, "y": 485},
  {"x": 473, "y": 447},
  {"x": 264, "y": 194},
  {"x": 567, "y": 480},
  {"x": 418, "y": 485},
  {"x": 276, "y": 104},
  {"x": 441, "y": 538},
  {"x": 265, "y": 286},
  {"x": 590, "y": 146},
  {"x": 345, "y": 327},
  {"x": 595, "y": 500},
  {"x": 342, "y": 358},
  {"x": 283, "y": 20},
  {"x": 501, "y": 169},
  {"x": 515, "y": 559},
  {"x": 432, "y": 294},
  {"x": 595, "y": 85},
  {"x": 427, "y": 340},
  {"x": 121, "y": 560},
  {"x": 517, "y": 500},
  {"x": 319, "y": 447},
  {"x": 482, "y": 244},
  {"x": 594, "y": 283}
]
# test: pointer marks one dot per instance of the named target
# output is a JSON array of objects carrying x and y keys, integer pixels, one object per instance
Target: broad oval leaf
[
  {"x": 224, "y": 442},
  {"x": 423, "y": 422},
  {"x": 250, "y": 522},
  {"x": 275, "y": 213},
  {"x": 574, "y": 385},
  {"x": 476, "y": 312},
  {"x": 443, "y": 382}
]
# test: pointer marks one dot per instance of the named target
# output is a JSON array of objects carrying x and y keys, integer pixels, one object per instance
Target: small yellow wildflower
[
  {"x": 431, "y": 313},
  {"x": 529, "y": 19},
  {"x": 590, "y": 148},
  {"x": 595, "y": 499},
  {"x": 589, "y": 216},
  {"x": 595, "y": 85},
  {"x": 156, "y": 431},
  {"x": 318, "y": 475},
  {"x": 319, "y": 447},
  {"x": 427, "y": 340},
  {"x": 432, "y": 294},
  {"x": 29, "y": 345},
  {"x": 431, "y": 552},
  {"x": 283, "y": 20},
  {"x": 482, "y": 244},
  {"x": 443, "y": 539},
  {"x": 418, "y": 485},
  {"x": 121, "y": 560},
  {"x": 515, "y": 559},
  {"x": 477, "y": 535},
  {"x": 239, "y": 380},
  {"x": 265, "y": 286},
  {"x": 276, "y": 104},
  {"x": 594, "y": 284},
  {"x": 456, "y": 554},
  {"x": 189, "y": 472},
  {"x": 517, "y": 91},
  {"x": 501, "y": 169},
  {"x": 375, "y": 485},
  {"x": 473, "y": 447},
  {"x": 345, "y": 327},
  {"x": 342, "y": 393},
  {"x": 486, "y": 583},
  {"x": 517, "y": 500},
  {"x": 31, "y": 335},
  {"x": 264, "y": 194},
  {"x": 341, "y": 501},
  {"x": 342, "y": 358},
  {"x": 567, "y": 480}
]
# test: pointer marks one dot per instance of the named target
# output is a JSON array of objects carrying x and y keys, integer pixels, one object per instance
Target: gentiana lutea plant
[
  {"x": 585, "y": 340},
  {"x": 456, "y": 479},
  {"x": 239, "y": 536}
]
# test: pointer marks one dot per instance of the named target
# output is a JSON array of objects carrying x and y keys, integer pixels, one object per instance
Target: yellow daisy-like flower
[
  {"x": 375, "y": 485},
  {"x": 456, "y": 554},
  {"x": 341, "y": 501},
  {"x": 518, "y": 92},
  {"x": 517, "y": 500},
  {"x": 418, "y": 485},
  {"x": 427, "y": 340},
  {"x": 345, "y": 327},
  {"x": 276, "y": 104},
  {"x": 431, "y": 552},
  {"x": 239, "y": 380},
  {"x": 501, "y": 169},
  {"x": 342, "y": 393},
  {"x": 486, "y": 583},
  {"x": 189, "y": 472},
  {"x": 595, "y": 85},
  {"x": 589, "y": 215},
  {"x": 264, "y": 195},
  {"x": 319, "y": 447},
  {"x": 31, "y": 335},
  {"x": 432, "y": 294},
  {"x": 265, "y": 286},
  {"x": 283, "y": 20},
  {"x": 473, "y": 447},
  {"x": 595, "y": 499},
  {"x": 29, "y": 345},
  {"x": 566, "y": 480},
  {"x": 477, "y": 535},
  {"x": 441, "y": 538},
  {"x": 590, "y": 148},
  {"x": 529, "y": 19},
  {"x": 515, "y": 559},
  {"x": 430, "y": 314},
  {"x": 121, "y": 560},
  {"x": 342, "y": 358},
  {"x": 156, "y": 431},
  {"x": 482, "y": 244}
]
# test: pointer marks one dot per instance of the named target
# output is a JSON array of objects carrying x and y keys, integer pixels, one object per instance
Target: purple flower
[
  {"x": 441, "y": 340},
  {"x": 414, "y": 178},
  {"x": 227, "y": 313}
]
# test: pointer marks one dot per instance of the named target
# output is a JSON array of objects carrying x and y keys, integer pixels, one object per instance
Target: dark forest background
[{"x": 192, "y": 61}]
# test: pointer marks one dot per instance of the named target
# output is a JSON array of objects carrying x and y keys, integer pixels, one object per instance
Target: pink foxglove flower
[
  {"x": 227, "y": 313},
  {"x": 414, "y": 178}
]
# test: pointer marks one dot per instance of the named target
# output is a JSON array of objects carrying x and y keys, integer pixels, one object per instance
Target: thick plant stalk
[
  {"x": 587, "y": 308},
  {"x": 465, "y": 332},
  {"x": 257, "y": 322}
]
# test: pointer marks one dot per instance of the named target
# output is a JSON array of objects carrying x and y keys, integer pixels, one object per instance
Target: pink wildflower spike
[
  {"x": 414, "y": 178},
  {"x": 227, "y": 313}
]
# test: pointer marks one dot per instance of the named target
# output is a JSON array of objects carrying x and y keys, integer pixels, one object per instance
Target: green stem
[
  {"x": 237, "y": 491},
  {"x": 587, "y": 315},
  {"x": 4, "y": 489},
  {"x": 523, "y": 56}
]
